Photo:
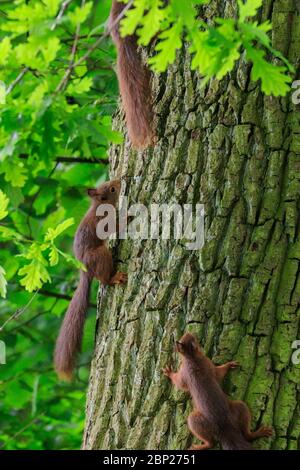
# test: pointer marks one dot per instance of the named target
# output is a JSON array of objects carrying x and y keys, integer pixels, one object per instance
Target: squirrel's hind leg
[
  {"x": 200, "y": 428},
  {"x": 100, "y": 263},
  {"x": 242, "y": 416}
]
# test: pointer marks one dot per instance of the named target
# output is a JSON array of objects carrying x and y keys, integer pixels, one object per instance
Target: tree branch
[
  {"x": 66, "y": 159},
  {"x": 19, "y": 311},
  {"x": 64, "y": 81},
  {"x": 17, "y": 80},
  {"x": 61, "y": 13},
  {"x": 56, "y": 295},
  {"x": 105, "y": 35}
]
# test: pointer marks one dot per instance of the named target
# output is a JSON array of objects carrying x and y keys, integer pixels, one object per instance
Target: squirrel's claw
[
  {"x": 167, "y": 371},
  {"x": 234, "y": 364},
  {"x": 266, "y": 431},
  {"x": 119, "y": 278}
]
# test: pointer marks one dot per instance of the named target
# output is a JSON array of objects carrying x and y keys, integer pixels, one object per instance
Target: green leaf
[
  {"x": 7, "y": 233},
  {"x": 50, "y": 49},
  {"x": 274, "y": 80},
  {"x": 170, "y": 42},
  {"x": 53, "y": 256},
  {"x": 70, "y": 259},
  {"x": 3, "y": 283},
  {"x": 253, "y": 31},
  {"x": 151, "y": 22},
  {"x": 45, "y": 196},
  {"x": 14, "y": 172},
  {"x": 5, "y": 50},
  {"x": 35, "y": 274},
  {"x": 52, "y": 233},
  {"x": 80, "y": 14},
  {"x": 53, "y": 219},
  {"x": 34, "y": 252},
  {"x": 78, "y": 87},
  {"x": 52, "y": 6},
  {"x": 248, "y": 9},
  {"x": 133, "y": 17},
  {"x": 2, "y": 93},
  {"x": 36, "y": 53},
  {"x": 4, "y": 201},
  {"x": 259, "y": 32},
  {"x": 9, "y": 147}
]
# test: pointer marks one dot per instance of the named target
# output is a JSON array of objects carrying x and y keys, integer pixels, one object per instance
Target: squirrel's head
[
  {"x": 106, "y": 193},
  {"x": 188, "y": 345}
]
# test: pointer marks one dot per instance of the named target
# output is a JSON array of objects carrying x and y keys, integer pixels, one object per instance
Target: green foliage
[
  {"x": 215, "y": 49},
  {"x": 4, "y": 201},
  {"x": 55, "y": 118},
  {"x": 3, "y": 283}
]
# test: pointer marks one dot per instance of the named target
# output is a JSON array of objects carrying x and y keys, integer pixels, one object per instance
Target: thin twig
[
  {"x": 84, "y": 36},
  {"x": 17, "y": 80},
  {"x": 82, "y": 59},
  {"x": 12, "y": 438},
  {"x": 72, "y": 65},
  {"x": 61, "y": 13},
  {"x": 21, "y": 326},
  {"x": 56, "y": 295},
  {"x": 104, "y": 35},
  {"x": 64, "y": 6},
  {"x": 66, "y": 159},
  {"x": 19, "y": 311},
  {"x": 63, "y": 83}
]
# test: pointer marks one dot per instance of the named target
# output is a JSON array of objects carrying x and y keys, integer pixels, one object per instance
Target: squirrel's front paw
[
  {"x": 167, "y": 371},
  {"x": 265, "y": 431},
  {"x": 119, "y": 278},
  {"x": 123, "y": 278}
]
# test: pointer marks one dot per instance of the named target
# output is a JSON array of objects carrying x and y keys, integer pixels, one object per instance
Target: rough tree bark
[{"x": 238, "y": 152}]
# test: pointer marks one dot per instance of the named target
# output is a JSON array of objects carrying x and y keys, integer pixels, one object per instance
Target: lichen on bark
[{"x": 238, "y": 152}]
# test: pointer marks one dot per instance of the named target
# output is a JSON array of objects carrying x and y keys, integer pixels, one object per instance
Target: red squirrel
[
  {"x": 97, "y": 258},
  {"x": 134, "y": 83},
  {"x": 215, "y": 416}
]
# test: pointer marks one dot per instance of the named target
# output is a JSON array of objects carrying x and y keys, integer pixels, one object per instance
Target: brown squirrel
[
  {"x": 215, "y": 416},
  {"x": 97, "y": 258},
  {"x": 134, "y": 83}
]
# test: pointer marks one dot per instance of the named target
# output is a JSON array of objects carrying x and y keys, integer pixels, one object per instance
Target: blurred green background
[{"x": 51, "y": 124}]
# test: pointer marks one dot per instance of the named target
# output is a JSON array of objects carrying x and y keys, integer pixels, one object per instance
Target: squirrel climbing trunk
[
  {"x": 70, "y": 336},
  {"x": 97, "y": 258},
  {"x": 134, "y": 84}
]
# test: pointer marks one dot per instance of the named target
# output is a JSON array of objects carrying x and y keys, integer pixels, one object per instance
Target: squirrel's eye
[{"x": 112, "y": 189}]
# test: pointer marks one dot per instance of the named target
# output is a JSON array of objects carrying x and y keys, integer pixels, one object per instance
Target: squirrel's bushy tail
[
  {"x": 223, "y": 425},
  {"x": 232, "y": 439},
  {"x": 134, "y": 84},
  {"x": 68, "y": 343}
]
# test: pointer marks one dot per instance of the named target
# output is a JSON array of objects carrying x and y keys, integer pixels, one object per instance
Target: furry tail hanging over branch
[
  {"x": 134, "y": 84},
  {"x": 69, "y": 340}
]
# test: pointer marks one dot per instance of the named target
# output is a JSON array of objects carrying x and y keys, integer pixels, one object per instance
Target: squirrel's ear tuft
[
  {"x": 192, "y": 347},
  {"x": 92, "y": 192}
]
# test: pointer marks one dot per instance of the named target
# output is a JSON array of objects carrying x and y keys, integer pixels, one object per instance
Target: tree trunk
[{"x": 236, "y": 151}]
